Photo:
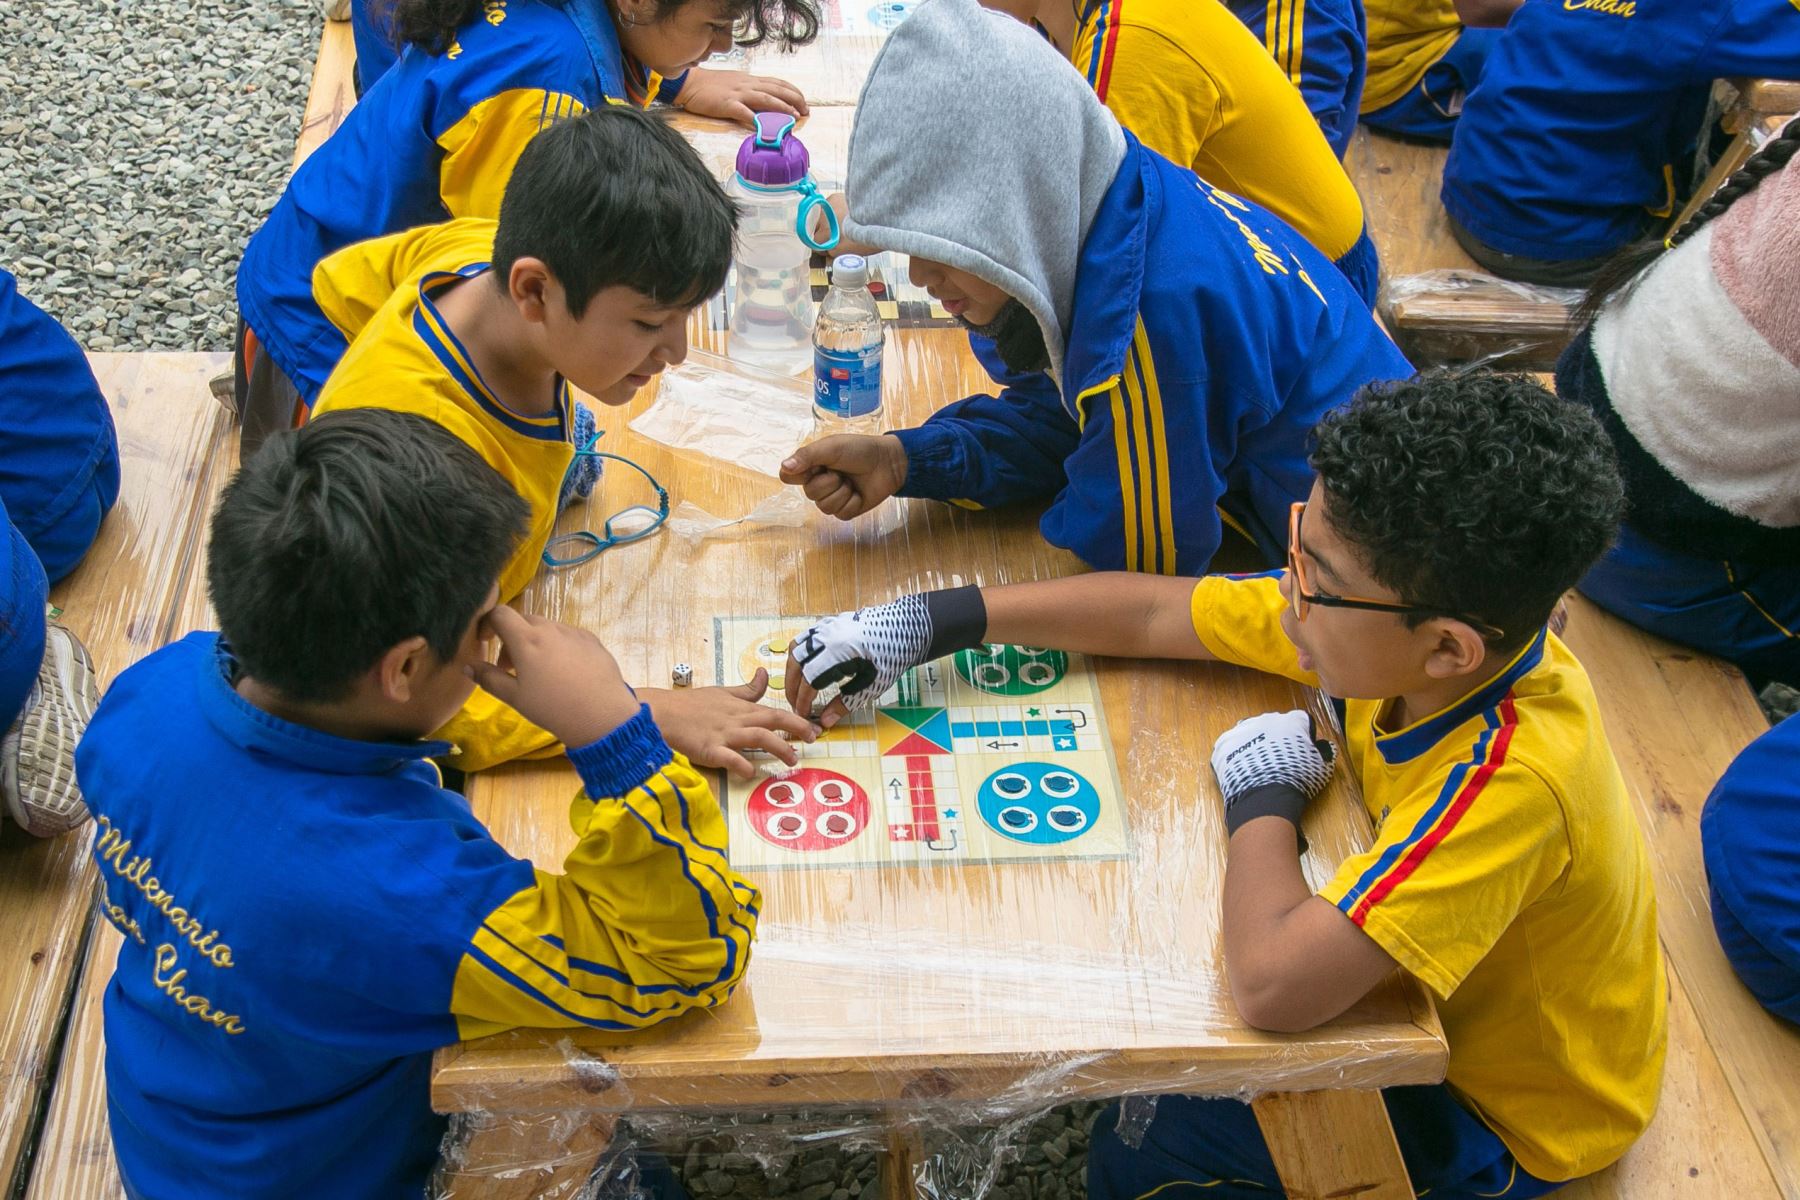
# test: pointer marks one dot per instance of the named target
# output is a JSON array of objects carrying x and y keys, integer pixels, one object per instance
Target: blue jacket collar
[
  {"x": 1404, "y": 745},
  {"x": 243, "y": 724},
  {"x": 618, "y": 76},
  {"x": 1109, "y": 281}
]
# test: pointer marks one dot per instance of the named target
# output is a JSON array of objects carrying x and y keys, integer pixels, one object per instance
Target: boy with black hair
[
  {"x": 610, "y": 233},
  {"x": 1508, "y": 874},
  {"x": 307, "y": 912}
]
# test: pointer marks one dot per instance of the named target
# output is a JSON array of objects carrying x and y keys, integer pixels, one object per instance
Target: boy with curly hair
[{"x": 1508, "y": 875}]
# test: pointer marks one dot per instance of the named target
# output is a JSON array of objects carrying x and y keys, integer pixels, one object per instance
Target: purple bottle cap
[{"x": 772, "y": 156}]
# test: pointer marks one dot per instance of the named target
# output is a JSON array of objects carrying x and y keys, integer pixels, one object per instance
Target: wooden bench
[
  {"x": 1729, "y": 1124},
  {"x": 1443, "y": 308},
  {"x": 121, "y": 601},
  {"x": 1758, "y": 109},
  {"x": 74, "y": 1157},
  {"x": 1437, "y": 303}
]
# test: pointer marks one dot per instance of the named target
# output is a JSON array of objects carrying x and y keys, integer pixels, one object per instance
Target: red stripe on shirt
[
  {"x": 1402, "y": 870},
  {"x": 1112, "y": 44}
]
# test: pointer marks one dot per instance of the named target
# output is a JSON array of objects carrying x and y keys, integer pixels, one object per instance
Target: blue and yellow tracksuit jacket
[
  {"x": 306, "y": 918},
  {"x": 436, "y": 138},
  {"x": 1580, "y": 135},
  {"x": 1322, "y": 47},
  {"x": 59, "y": 455},
  {"x": 1207, "y": 340}
]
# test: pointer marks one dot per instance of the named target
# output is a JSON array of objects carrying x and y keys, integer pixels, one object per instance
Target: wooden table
[{"x": 918, "y": 996}]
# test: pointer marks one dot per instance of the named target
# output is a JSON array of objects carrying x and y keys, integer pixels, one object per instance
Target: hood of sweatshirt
[{"x": 978, "y": 146}]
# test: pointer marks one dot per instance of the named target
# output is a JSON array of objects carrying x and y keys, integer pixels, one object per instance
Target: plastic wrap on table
[
  {"x": 124, "y": 600},
  {"x": 923, "y": 983},
  {"x": 1469, "y": 317},
  {"x": 730, "y": 412}
]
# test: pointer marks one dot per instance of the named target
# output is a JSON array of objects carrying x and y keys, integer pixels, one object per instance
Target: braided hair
[{"x": 1630, "y": 262}]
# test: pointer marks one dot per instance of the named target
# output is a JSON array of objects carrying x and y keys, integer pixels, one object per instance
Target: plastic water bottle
[
  {"x": 847, "y": 351},
  {"x": 772, "y": 307}
]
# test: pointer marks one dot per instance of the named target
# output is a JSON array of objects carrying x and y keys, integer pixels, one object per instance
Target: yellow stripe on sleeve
[
  {"x": 482, "y": 148},
  {"x": 1159, "y": 444},
  {"x": 1130, "y": 514}
]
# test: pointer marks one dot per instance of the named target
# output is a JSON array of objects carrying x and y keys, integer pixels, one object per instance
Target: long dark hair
[
  {"x": 432, "y": 25},
  {"x": 1630, "y": 262}
]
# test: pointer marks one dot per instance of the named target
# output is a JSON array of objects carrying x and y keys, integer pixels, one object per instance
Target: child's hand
[
  {"x": 867, "y": 650},
  {"x": 840, "y": 208},
  {"x": 847, "y": 474},
  {"x": 556, "y": 676},
  {"x": 1270, "y": 766},
  {"x": 738, "y": 95},
  {"x": 712, "y": 725}
]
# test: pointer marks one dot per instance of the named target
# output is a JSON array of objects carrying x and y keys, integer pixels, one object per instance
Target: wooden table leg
[
  {"x": 905, "y": 1151},
  {"x": 520, "y": 1156},
  {"x": 1333, "y": 1145}
]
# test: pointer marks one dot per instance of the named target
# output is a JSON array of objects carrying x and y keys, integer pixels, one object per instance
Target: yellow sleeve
[
  {"x": 1161, "y": 94},
  {"x": 1447, "y": 876},
  {"x": 481, "y": 150},
  {"x": 647, "y": 920},
  {"x": 1238, "y": 619},
  {"x": 352, "y": 284},
  {"x": 488, "y": 733}
]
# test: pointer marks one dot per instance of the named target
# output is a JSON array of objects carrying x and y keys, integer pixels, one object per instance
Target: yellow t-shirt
[
  {"x": 403, "y": 357},
  {"x": 1406, "y": 37},
  {"x": 1196, "y": 86},
  {"x": 1509, "y": 875}
]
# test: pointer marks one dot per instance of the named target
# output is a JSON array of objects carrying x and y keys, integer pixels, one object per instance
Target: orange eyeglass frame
[{"x": 1302, "y": 596}]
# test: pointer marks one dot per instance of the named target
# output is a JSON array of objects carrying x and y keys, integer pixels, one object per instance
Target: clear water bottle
[
  {"x": 771, "y": 305},
  {"x": 847, "y": 351}
]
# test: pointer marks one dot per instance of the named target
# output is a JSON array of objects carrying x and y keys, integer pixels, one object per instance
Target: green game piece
[{"x": 1012, "y": 670}]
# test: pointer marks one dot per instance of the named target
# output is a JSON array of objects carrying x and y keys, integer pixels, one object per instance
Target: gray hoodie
[{"x": 978, "y": 146}]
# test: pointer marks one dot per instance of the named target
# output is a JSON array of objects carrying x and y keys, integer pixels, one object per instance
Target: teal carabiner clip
[
  {"x": 615, "y": 531},
  {"x": 810, "y": 198}
]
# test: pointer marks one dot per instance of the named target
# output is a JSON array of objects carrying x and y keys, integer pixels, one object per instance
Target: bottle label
[{"x": 847, "y": 383}]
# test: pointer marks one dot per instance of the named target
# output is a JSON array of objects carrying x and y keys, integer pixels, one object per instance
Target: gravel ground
[
  {"x": 141, "y": 142},
  {"x": 1779, "y": 701},
  {"x": 796, "y": 1157}
]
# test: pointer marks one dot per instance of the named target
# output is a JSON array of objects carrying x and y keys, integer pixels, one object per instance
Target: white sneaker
[{"x": 37, "y": 755}]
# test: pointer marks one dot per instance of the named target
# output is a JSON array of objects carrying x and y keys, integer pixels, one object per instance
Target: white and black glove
[
  {"x": 867, "y": 650},
  {"x": 1270, "y": 766}
]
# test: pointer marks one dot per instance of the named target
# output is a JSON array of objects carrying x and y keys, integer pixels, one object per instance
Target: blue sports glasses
[{"x": 618, "y": 528}]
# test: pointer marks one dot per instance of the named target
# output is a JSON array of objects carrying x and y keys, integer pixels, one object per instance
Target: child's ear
[
  {"x": 399, "y": 671},
  {"x": 530, "y": 284},
  {"x": 1456, "y": 650}
]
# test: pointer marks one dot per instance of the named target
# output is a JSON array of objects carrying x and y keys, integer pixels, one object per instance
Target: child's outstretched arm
[
  {"x": 1294, "y": 961},
  {"x": 648, "y": 919},
  {"x": 737, "y": 95},
  {"x": 1112, "y": 613}
]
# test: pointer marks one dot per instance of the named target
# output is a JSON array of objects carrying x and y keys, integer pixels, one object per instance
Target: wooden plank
[
  {"x": 75, "y": 1155},
  {"x": 1333, "y": 1144},
  {"x": 1700, "y": 1145},
  {"x": 1438, "y": 304},
  {"x": 1676, "y": 719},
  {"x": 1768, "y": 97},
  {"x": 120, "y": 602},
  {"x": 521, "y": 1156},
  {"x": 333, "y": 91}
]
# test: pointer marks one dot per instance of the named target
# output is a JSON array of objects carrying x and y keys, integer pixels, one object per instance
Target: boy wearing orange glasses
[{"x": 1449, "y": 515}]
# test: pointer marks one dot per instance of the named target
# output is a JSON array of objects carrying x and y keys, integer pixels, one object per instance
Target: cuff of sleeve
[
  {"x": 1282, "y": 800},
  {"x": 623, "y": 759},
  {"x": 933, "y": 463},
  {"x": 958, "y": 620}
]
